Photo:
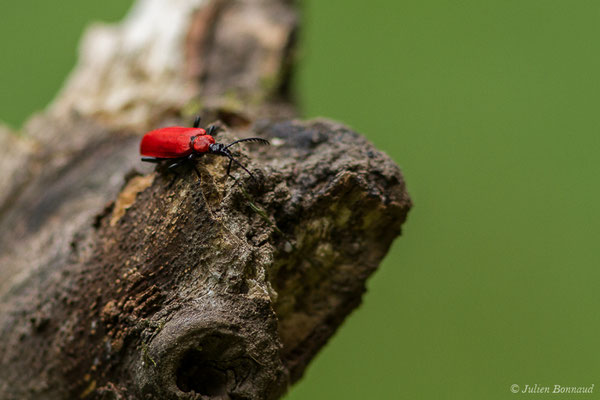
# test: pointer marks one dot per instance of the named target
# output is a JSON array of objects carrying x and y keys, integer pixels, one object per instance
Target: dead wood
[{"x": 116, "y": 285}]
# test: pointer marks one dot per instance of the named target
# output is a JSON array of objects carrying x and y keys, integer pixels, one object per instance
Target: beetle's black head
[
  {"x": 221, "y": 149},
  {"x": 218, "y": 148}
]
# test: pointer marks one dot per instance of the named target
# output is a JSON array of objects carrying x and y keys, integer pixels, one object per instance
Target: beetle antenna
[{"x": 252, "y": 139}]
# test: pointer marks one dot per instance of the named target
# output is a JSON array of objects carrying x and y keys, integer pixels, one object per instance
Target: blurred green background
[{"x": 492, "y": 110}]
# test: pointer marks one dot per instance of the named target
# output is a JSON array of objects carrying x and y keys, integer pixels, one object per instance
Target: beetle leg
[
  {"x": 197, "y": 121},
  {"x": 176, "y": 164},
  {"x": 213, "y": 130},
  {"x": 175, "y": 176},
  {"x": 229, "y": 168},
  {"x": 232, "y": 159},
  {"x": 197, "y": 173},
  {"x": 191, "y": 158},
  {"x": 151, "y": 159},
  {"x": 172, "y": 167}
]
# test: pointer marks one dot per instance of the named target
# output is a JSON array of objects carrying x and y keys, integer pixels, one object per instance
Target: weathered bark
[{"x": 114, "y": 284}]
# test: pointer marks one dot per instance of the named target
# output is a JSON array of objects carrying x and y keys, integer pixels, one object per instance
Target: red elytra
[
  {"x": 175, "y": 142},
  {"x": 178, "y": 145}
]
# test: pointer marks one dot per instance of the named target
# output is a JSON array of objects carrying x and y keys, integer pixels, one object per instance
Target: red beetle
[{"x": 178, "y": 145}]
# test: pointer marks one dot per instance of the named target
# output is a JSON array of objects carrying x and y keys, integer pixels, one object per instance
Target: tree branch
[{"x": 117, "y": 285}]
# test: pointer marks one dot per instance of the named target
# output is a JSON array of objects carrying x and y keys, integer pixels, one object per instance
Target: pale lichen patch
[{"x": 128, "y": 194}]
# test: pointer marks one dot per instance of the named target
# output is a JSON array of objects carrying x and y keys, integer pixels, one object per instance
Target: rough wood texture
[{"x": 115, "y": 285}]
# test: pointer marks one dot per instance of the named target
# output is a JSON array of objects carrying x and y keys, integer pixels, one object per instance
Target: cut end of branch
[{"x": 213, "y": 288}]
